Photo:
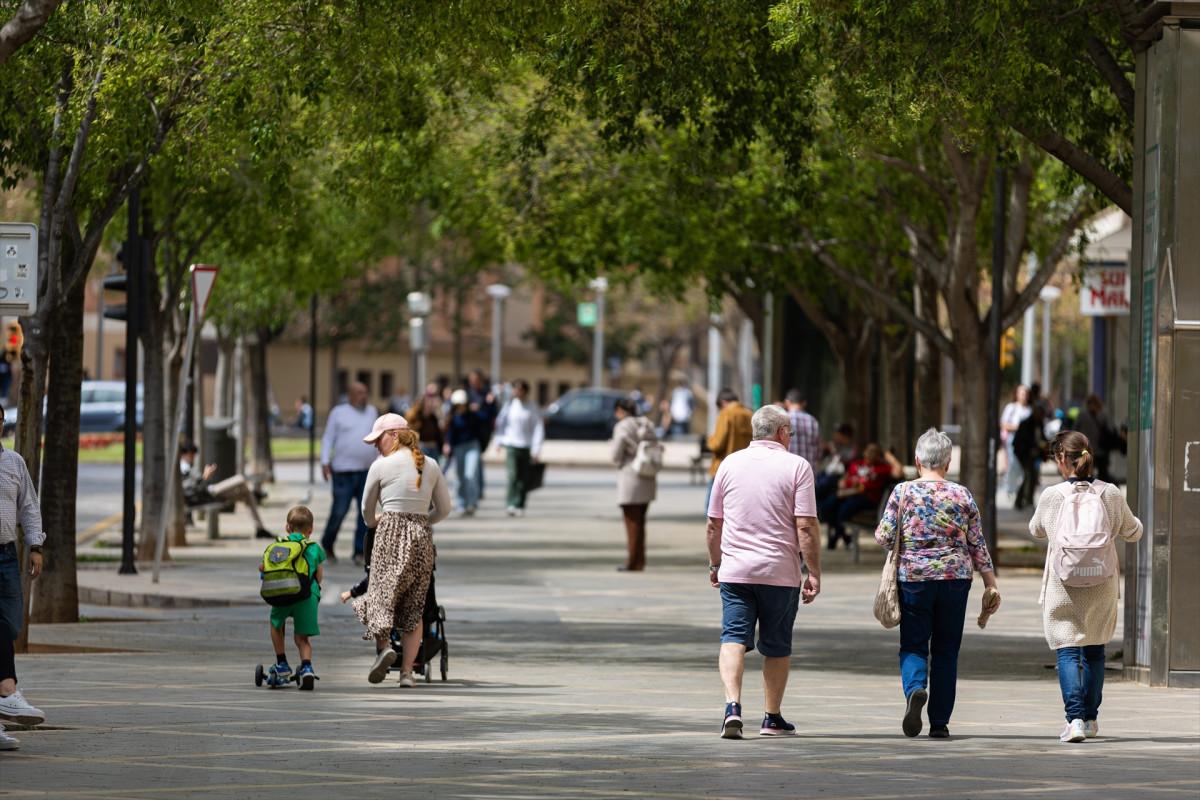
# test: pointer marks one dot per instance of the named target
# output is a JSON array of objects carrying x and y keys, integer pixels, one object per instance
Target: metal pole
[
  {"x": 1028, "y": 353},
  {"x": 1046, "y": 348},
  {"x": 996, "y": 331},
  {"x": 714, "y": 368},
  {"x": 312, "y": 392},
  {"x": 768, "y": 348},
  {"x": 497, "y": 332},
  {"x": 598, "y": 341},
  {"x": 173, "y": 459},
  {"x": 133, "y": 286},
  {"x": 100, "y": 333}
]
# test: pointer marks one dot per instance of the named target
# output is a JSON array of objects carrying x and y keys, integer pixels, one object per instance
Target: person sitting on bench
[
  {"x": 860, "y": 490},
  {"x": 197, "y": 491}
]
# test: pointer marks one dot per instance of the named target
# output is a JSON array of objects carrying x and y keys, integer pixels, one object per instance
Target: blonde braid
[{"x": 411, "y": 440}]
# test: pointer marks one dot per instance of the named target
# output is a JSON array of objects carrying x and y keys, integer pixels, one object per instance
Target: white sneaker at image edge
[
  {"x": 15, "y": 708},
  {"x": 8, "y": 742}
]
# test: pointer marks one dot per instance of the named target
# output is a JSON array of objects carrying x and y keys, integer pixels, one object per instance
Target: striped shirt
[
  {"x": 806, "y": 436},
  {"x": 18, "y": 501}
]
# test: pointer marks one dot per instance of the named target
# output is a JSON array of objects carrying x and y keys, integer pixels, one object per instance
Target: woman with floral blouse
[{"x": 941, "y": 546}]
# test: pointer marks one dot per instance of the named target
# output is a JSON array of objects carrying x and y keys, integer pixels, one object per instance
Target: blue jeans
[
  {"x": 347, "y": 487},
  {"x": 466, "y": 458},
  {"x": 1081, "y": 678},
  {"x": 836, "y": 510},
  {"x": 931, "y": 627},
  {"x": 11, "y": 601}
]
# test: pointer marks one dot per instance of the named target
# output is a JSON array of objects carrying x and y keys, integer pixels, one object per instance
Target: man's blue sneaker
[
  {"x": 731, "y": 728},
  {"x": 307, "y": 678},
  {"x": 776, "y": 725}
]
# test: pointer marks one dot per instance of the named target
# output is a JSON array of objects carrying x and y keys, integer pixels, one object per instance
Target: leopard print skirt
[{"x": 401, "y": 566}]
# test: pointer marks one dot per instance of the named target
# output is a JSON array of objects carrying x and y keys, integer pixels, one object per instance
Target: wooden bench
[
  {"x": 868, "y": 520},
  {"x": 211, "y": 511}
]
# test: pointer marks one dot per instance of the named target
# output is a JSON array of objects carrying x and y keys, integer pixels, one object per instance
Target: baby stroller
[{"x": 433, "y": 638}]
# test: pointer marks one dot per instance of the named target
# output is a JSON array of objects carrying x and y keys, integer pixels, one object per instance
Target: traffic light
[
  {"x": 1008, "y": 347},
  {"x": 120, "y": 283},
  {"x": 13, "y": 341}
]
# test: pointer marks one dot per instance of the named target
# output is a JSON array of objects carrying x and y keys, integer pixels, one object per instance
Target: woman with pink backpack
[{"x": 1079, "y": 519}]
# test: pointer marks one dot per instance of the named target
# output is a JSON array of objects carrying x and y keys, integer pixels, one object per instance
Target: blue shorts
[{"x": 773, "y": 608}]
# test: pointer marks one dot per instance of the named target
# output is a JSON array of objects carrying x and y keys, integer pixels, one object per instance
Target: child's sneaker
[
  {"x": 1074, "y": 732},
  {"x": 776, "y": 725},
  {"x": 731, "y": 728},
  {"x": 307, "y": 678},
  {"x": 1091, "y": 728},
  {"x": 282, "y": 670}
]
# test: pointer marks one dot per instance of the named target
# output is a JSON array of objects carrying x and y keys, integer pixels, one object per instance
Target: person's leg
[
  {"x": 775, "y": 678},
  {"x": 916, "y": 627},
  {"x": 512, "y": 494},
  {"x": 949, "y": 611},
  {"x": 277, "y": 638},
  {"x": 1093, "y": 680},
  {"x": 10, "y": 618},
  {"x": 832, "y": 508},
  {"x": 732, "y": 662},
  {"x": 635, "y": 535},
  {"x": 1012, "y": 477},
  {"x": 472, "y": 474},
  {"x": 458, "y": 459},
  {"x": 8, "y": 661},
  {"x": 848, "y": 508},
  {"x": 360, "y": 525},
  {"x": 524, "y": 458},
  {"x": 304, "y": 646},
  {"x": 1070, "y": 681},
  {"x": 343, "y": 490},
  {"x": 235, "y": 489},
  {"x": 1025, "y": 493},
  {"x": 410, "y": 643}
]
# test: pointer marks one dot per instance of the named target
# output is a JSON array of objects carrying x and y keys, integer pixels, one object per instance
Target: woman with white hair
[{"x": 941, "y": 546}]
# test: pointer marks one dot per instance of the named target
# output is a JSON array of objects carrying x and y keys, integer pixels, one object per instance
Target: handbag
[
  {"x": 887, "y": 597},
  {"x": 535, "y": 475}
]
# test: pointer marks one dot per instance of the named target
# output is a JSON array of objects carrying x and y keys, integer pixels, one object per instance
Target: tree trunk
[
  {"x": 56, "y": 592},
  {"x": 927, "y": 412},
  {"x": 894, "y": 431},
  {"x": 157, "y": 421},
  {"x": 258, "y": 406},
  {"x": 971, "y": 368}
]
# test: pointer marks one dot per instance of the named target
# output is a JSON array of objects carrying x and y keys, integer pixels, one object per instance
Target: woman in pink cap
[{"x": 413, "y": 496}]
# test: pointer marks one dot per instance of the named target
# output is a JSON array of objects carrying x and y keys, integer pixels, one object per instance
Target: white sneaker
[
  {"x": 386, "y": 657},
  {"x": 406, "y": 680},
  {"x": 8, "y": 742},
  {"x": 15, "y": 708},
  {"x": 511, "y": 511},
  {"x": 1073, "y": 732},
  {"x": 1091, "y": 728}
]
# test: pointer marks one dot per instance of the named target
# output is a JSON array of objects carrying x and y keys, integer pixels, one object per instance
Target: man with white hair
[{"x": 762, "y": 520}]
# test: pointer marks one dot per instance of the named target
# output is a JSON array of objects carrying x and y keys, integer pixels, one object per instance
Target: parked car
[
  {"x": 582, "y": 414},
  {"x": 101, "y": 408}
]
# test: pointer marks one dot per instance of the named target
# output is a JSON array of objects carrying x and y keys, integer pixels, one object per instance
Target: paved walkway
[{"x": 567, "y": 680}]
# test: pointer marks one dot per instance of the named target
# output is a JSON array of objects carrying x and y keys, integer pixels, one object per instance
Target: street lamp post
[
  {"x": 1048, "y": 295},
  {"x": 600, "y": 285},
  {"x": 498, "y": 292},
  {"x": 419, "y": 305}
]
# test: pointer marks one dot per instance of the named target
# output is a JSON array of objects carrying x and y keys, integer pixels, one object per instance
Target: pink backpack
[{"x": 1083, "y": 553}]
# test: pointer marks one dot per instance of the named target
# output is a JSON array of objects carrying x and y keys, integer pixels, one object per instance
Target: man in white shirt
[
  {"x": 519, "y": 430},
  {"x": 683, "y": 403},
  {"x": 345, "y": 458}
]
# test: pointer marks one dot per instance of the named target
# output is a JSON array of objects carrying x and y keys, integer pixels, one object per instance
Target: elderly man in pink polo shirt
[{"x": 762, "y": 519}]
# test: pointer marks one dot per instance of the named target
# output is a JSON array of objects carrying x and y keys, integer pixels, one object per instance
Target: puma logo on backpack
[
  {"x": 1084, "y": 553},
  {"x": 286, "y": 576}
]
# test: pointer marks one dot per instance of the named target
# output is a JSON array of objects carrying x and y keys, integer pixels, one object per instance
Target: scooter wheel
[{"x": 258, "y": 675}]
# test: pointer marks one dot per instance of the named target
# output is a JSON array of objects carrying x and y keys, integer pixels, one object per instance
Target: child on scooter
[{"x": 303, "y": 612}]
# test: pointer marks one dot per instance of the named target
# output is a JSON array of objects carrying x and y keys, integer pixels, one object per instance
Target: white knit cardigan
[{"x": 1073, "y": 616}]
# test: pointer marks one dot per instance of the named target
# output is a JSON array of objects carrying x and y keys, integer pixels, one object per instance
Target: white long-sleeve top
[
  {"x": 520, "y": 425},
  {"x": 392, "y": 486},
  {"x": 342, "y": 445}
]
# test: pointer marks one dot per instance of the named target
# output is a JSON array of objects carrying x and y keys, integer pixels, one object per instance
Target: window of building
[
  {"x": 543, "y": 392},
  {"x": 386, "y": 383},
  {"x": 363, "y": 376}
]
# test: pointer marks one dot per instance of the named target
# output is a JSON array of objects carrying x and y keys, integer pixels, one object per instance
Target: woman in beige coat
[
  {"x": 1079, "y": 620},
  {"x": 634, "y": 492}
]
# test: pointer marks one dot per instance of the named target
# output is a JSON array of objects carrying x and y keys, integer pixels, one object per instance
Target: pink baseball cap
[{"x": 388, "y": 422}]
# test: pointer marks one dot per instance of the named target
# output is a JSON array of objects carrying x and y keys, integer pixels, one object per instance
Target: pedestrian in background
[
  {"x": 1079, "y": 620},
  {"x": 425, "y": 419},
  {"x": 1010, "y": 419},
  {"x": 762, "y": 520},
  {"x": 464, "y": 432},
  {"x": 806, "y": 431},
  {"x": 413, "y": 495},
  {"x": 731, "y": 433},
  {"x": 635, "y": 492},
  {"x": 681, "y": 406},
  {"x": 18, "y": 505},
  {"x": 345, "y": 460},
  {"x": 520, "y": 432},
  {"x": 1027, "y": 446},
  {"x": 941, "y": 546}
]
